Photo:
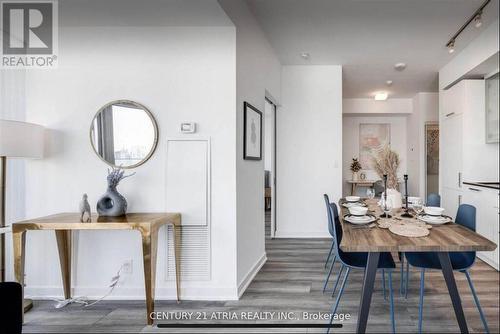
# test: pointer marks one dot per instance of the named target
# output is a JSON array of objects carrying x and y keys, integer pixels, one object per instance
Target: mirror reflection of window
[
  {"x": 133, "y": 135},
  {"x": 124, "y": 134}
]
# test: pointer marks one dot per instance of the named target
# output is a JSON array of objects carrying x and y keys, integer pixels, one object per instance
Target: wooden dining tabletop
[
  {"x": 449, "y": 237},
  {"x": 441, "y": 239}
]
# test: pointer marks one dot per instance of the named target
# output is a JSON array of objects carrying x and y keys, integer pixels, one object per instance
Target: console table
[
  {"x": 361, "y": 183},
  {"x": 147, "y": 224}
]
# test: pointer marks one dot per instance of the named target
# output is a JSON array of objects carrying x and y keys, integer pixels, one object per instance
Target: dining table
[{"x": 374, "y": 239}]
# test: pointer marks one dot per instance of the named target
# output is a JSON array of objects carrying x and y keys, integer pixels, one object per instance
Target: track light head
[
  {"x": 478, "y": 21},
  {"x": 451, "y": 46}
]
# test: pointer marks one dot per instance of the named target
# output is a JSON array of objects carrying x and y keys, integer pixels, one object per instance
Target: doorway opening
[
  {"x": 270, "y": 168},
  {"x": 431, "y": 158}
]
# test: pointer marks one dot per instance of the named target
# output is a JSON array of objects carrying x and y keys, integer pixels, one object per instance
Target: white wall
[
  {"x": 370, "y": 106},
  {"x": 179, "y": 73},
  {"x": 350, "y": 145},
  {"x": 309, "y": 148},
  {"x": 425, "y": 110},
  {"x": 258, "y": 71}
]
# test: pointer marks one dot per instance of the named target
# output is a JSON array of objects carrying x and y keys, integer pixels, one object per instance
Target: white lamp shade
[{"x": 21, "y": 139}]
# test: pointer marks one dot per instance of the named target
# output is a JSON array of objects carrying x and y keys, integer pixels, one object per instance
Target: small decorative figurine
[
  {"x": 112, "y": 203},
  {"x": 85, "y": 209}
]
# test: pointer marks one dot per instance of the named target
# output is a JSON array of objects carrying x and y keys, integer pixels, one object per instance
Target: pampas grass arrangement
[{"x": 387, "y": 162}]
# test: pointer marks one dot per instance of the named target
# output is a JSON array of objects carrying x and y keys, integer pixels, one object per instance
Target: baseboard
[
  {"x": 134, "y": 293},
  {"x": 302, "y": 235},
  {"x": 488, "y": 261},
  {"x": 250, "y": 275}
]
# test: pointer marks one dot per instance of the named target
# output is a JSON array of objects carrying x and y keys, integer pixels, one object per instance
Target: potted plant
[
  {"x": 355, "y": 168},
  {"x": 386, "y": 162}
]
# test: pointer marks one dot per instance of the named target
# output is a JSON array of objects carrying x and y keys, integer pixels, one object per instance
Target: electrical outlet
[{"x": 127, "y": 267}]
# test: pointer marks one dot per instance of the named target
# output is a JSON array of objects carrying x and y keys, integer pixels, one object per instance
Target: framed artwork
[
  {"x": 372, "y": 138},
  {"x": 252, "y": 133},
  {"x": 432, "y": 148}
]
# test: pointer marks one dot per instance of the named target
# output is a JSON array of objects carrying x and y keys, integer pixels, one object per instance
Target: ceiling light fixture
[
  {"x": 305, "y": 55},
  {"x": 451, "y": 47},
  {"x": 400, "y": 66},
  {"x": 388, "y": 82},
  {"x": 476, "y": 17},
  {"x": 381, "y": 96},
  {"x": 478, "y": 21}
]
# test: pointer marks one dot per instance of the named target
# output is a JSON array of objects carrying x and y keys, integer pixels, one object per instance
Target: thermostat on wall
[{"x": 188, "y": 127}]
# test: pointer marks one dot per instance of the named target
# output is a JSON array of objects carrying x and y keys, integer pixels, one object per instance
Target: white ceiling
[{"x": 367, "y": 37}]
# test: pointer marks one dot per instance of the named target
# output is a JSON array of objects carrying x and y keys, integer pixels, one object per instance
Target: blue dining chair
[
  {"x": 330, "y": 230},
  {"x": 433, "y": 199},
  {"x": 460, "y": 261},
  {"x": 356, "y": 260}
]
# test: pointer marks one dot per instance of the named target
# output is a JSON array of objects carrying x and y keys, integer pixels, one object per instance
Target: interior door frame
[{"x": 273, "y": 169}]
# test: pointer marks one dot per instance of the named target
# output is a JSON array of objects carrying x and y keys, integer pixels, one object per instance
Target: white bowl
[
  {"x": 358, "y": 210},
  {"x": 352, "y": 198},
  {"x": 433, "y": 210}
]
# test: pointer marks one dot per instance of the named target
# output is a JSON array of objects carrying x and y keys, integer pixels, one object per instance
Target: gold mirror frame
[{"x": 151, "y": 117}]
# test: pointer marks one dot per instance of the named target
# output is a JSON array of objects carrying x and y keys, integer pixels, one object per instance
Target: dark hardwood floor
[{"x": 292, "y": 281}]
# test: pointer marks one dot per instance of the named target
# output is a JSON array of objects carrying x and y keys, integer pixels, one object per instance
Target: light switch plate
[{"x": 188, "y": 127}]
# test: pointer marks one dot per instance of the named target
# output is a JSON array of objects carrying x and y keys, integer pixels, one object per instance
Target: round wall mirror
[{"x": 124, "y": 134}]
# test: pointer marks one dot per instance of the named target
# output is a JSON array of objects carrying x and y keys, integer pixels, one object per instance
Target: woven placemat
[{"x": 410, "y": 231}]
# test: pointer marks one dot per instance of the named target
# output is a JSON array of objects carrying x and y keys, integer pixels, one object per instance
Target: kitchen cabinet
[
  {"x": 451, "y": 152},
  {"x": 487, "y": 217},
  {"x": 465, "y": 156},
  {"x": 453, "y": 99}
]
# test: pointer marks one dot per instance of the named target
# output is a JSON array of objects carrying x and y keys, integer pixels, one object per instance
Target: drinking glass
[
  {"x": 370, "y": 193},
  {"x": 418, "y": 206}
]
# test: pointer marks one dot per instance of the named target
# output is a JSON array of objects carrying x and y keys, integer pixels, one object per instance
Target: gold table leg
[
  {"x": 64, "y": 248},
  {"x": 149, "y": 249},
  {"x": 19, "y": 241},
  {"x": 177, "y": 238}
]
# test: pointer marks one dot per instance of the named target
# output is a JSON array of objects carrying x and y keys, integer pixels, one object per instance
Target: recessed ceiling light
[
  {"x": 388, "y": 82},
  {"x": 381, "y": 96},
  {"x": 305, "y": 55},
  {"x": 399, "y": 66}
]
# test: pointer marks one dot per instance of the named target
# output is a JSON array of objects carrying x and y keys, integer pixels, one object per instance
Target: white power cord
[{"x": 84, "y": 300}]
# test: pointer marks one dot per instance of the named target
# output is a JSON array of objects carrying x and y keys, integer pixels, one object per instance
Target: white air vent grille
[{"x": 195, "y": 253}]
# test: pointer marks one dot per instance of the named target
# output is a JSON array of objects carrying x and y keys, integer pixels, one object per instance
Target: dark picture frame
[{"x": 250, "y": 114}]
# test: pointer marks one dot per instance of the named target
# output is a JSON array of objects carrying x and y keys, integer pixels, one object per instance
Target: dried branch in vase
[{"x": 387, "y": 162}]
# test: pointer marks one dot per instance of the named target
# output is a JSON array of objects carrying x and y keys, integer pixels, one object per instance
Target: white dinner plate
[
  {"x": 360, "y": 220},
  {"x": 435, "y": 220},
  {"x": 351, "y": 204}
]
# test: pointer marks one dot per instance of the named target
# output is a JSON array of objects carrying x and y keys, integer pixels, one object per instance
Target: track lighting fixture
[
  {"x": 478, "y": 22},
  {"x": 451, "y": 46}
]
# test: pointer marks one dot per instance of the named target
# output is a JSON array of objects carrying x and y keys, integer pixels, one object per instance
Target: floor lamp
[{"x": 17, "y": 140}]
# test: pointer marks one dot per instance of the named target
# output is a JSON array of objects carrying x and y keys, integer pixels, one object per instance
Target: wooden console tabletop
[{"x": 147, "y": 224}]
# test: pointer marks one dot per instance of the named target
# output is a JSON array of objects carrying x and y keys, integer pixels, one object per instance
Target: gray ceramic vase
[{"x": 112, "y": 203}]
